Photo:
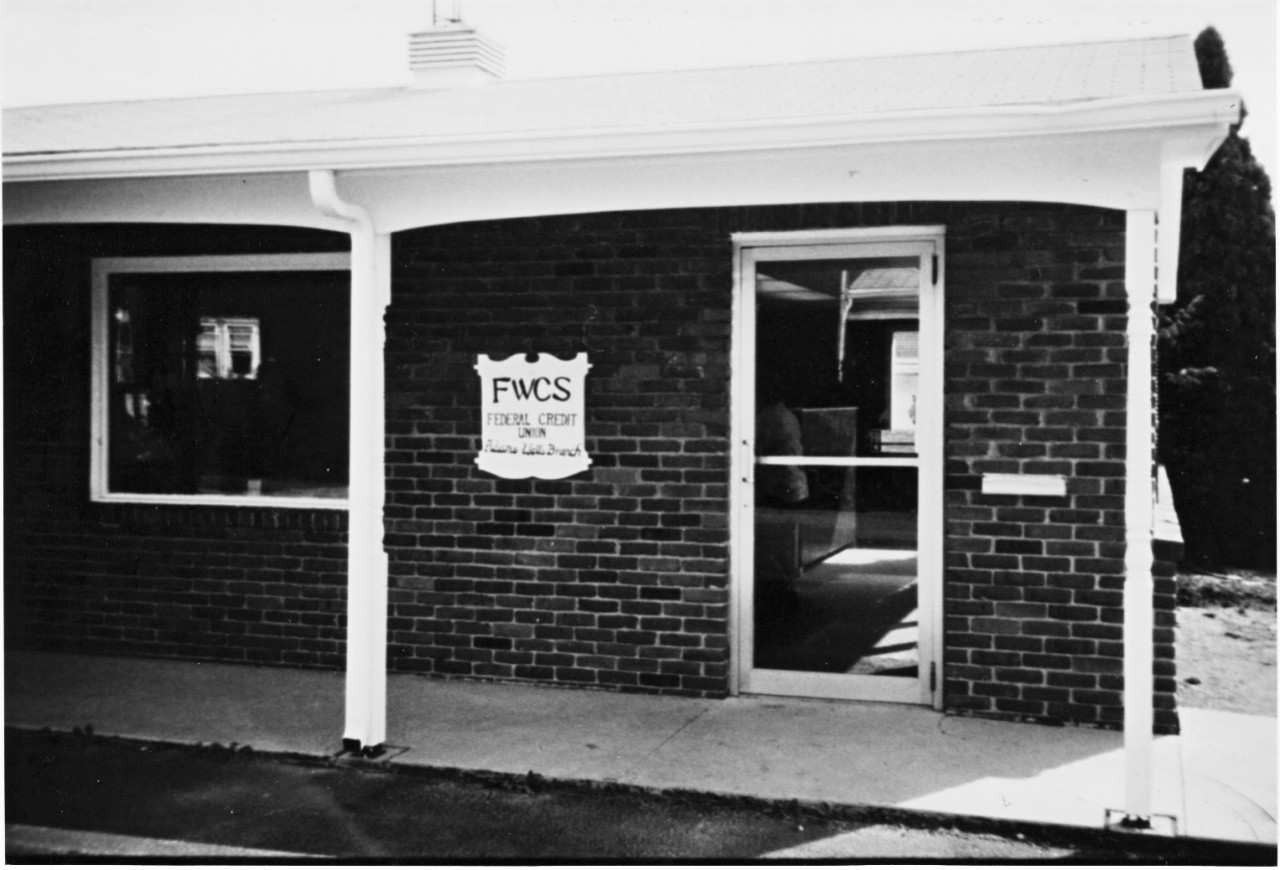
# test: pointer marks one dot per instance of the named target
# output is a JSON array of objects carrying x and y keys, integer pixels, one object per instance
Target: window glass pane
[
  {"x": 837, "y": 356},
  {"x": 835, "y": 573},
  {"x": 229, "y": 383},
  {"x": 837, "y": 374}
]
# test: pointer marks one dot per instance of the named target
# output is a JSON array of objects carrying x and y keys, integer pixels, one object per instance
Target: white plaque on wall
[
  {"x": 1024, "y": 484},
  {"x": 531, "y": 416}
]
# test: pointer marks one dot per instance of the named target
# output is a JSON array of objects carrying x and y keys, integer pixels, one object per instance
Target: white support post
[
  {"x": 1139, "y": 617},
  {"x": 366, "y": 685},
  {"x": 1170, "y": 246}
]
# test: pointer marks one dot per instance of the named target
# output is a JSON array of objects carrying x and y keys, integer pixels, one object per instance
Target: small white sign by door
[{"x": 531, "y": 416}]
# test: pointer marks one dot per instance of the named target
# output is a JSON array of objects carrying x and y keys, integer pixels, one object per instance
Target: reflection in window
[
  {"x": 904, "y": 387},
  {"x": 835, "y": 544},
  {"x": 843, "y": 334},
  {"x": 228, "y": 348},
  {"x": 228, "y": 383}
]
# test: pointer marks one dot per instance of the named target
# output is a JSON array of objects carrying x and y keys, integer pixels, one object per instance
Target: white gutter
[
  {"x": 366, "y": 683},
  {"x": 1196, "y": 114}
]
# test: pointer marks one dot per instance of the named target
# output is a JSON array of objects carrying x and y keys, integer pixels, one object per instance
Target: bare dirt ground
[{"x": 1226, "y": 642}]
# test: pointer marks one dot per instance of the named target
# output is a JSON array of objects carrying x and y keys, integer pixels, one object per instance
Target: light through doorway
[{"x": 838, "y": 395}]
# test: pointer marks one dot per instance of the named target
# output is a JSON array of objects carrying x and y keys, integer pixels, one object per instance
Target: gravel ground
[
  {"x": 1226, "y": 641},
  {"x": 1227, "y": 659}
]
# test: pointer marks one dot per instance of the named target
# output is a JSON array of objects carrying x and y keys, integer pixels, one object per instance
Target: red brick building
[{"x": 867, "y": 412}]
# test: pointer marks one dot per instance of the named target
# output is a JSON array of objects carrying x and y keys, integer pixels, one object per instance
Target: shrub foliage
[{"x": 1217, "y": 353}]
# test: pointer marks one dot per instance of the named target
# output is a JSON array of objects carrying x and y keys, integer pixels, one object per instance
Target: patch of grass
[{"x": 1248, "y": 589}]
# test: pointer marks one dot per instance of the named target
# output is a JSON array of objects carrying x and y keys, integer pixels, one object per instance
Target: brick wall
[
  {"x": 618, "y": 577},
  {"x": 249, "y": 585},
  {"x": 1036, "y": 384},
  {"x": 614, "y": 577}
]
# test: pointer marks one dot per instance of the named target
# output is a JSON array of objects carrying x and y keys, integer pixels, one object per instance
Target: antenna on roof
[{"x": 455, "y": 13}]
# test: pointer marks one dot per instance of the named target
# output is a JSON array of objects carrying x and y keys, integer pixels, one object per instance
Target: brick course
[{"x": 616, "y": 577}]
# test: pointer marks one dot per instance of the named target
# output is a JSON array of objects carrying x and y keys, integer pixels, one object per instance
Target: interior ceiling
[{"x": 819, "y": 280}]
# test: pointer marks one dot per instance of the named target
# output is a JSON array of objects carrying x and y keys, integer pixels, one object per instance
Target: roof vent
[{"x": 453, "y": 54}]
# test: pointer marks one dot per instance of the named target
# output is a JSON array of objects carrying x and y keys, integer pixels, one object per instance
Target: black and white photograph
[{"x": 600, "y": 431}]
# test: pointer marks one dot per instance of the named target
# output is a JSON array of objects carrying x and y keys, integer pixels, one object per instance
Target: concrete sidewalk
[{"x": 1217, "y": 779}]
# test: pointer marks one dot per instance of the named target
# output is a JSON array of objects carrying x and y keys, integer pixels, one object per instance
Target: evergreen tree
[{"x": 1217, "y": 353}]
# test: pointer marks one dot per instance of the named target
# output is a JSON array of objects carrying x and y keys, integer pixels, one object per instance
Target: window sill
[{"x": 231, "y": 501}]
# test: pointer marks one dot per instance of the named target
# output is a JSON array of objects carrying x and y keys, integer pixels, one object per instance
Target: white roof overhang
[
  {"x": 1101, "y": 152},
  {"x": 1111, "y": 124},
  {"x": 1151, "y": 113}
]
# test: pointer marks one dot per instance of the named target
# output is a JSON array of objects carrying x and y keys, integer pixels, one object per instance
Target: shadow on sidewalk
[{"x": 232, "y": 797}]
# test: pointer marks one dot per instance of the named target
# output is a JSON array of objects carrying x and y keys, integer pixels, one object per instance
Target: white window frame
[{"x": 102, "y": 271}]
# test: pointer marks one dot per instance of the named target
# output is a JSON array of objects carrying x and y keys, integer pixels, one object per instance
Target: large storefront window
[{"x": 222, "y": 379}]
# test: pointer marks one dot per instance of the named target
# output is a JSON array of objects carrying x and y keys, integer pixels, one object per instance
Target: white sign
[{"x": 531, "y": 416}]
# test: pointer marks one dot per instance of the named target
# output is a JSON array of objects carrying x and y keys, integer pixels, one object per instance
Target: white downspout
[
  {"x": 1139, "y": 587},
  {"x": 365, "y": 726}
]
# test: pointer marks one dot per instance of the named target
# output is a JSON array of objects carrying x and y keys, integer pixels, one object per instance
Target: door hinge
[
  {"x": 935, "y": 270},
  {"x": 933, "y": 676}
]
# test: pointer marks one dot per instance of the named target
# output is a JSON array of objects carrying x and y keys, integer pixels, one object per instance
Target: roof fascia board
[
  {"x": 1046, "y": 169},
  {"x": 279, "y": 199},
  {"x": 1160, "y": 115},
  {"x": 1115, "y": 170}
]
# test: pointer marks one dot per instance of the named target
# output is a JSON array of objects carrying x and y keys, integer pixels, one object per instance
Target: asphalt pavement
[
  {"x": 1215, "y": 780},
  {"x": 75, "y": 795}
]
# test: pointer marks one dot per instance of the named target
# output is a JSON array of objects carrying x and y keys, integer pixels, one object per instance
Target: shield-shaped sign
[{"x": 531, "y": 416}]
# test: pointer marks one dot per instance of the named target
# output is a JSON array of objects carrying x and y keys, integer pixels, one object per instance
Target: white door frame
[{"x": 927, "y": 242}]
